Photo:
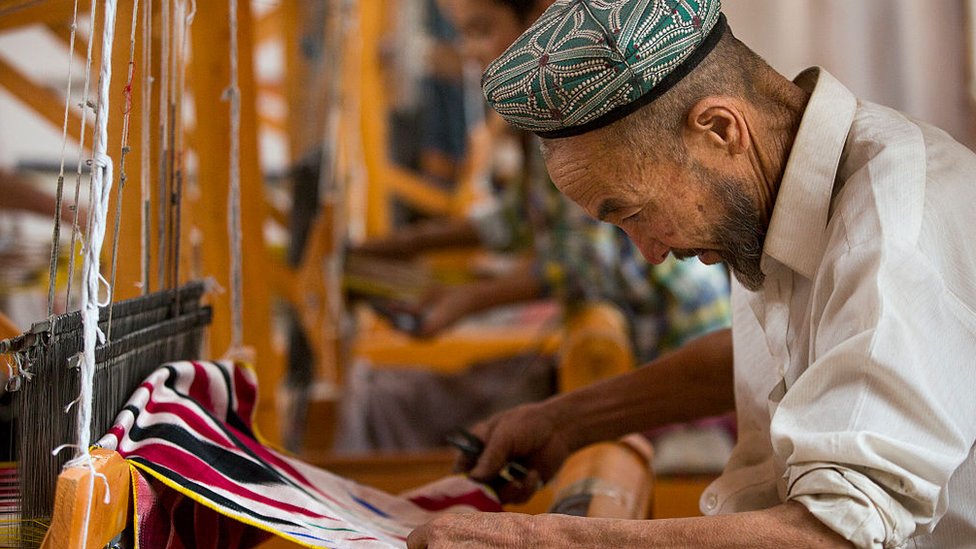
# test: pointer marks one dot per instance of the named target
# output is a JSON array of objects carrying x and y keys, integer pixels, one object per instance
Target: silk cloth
[{"x": 207, "y": 481}]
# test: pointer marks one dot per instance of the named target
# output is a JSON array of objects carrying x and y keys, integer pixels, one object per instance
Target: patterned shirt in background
[{"x": 583, "y": 260}]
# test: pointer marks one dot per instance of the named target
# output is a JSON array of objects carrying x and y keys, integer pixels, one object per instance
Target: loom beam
[{"x": 105, "y": 521}]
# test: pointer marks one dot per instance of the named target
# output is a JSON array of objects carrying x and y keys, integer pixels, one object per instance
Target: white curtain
[{"x": 913, "y": 55}]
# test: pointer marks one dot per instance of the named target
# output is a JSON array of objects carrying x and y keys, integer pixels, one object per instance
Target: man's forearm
[
  {"x": 690, "y": 383},
  {"x": 522, "y": 284},
  {"x": 441, "y": 233},
  {"x": 787, "y": 525}
]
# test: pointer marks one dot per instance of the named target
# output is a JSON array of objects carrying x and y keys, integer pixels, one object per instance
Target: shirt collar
[{"x": 797, "y": 230}]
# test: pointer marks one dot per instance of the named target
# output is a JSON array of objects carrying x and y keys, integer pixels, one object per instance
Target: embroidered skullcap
[{"x": 587, "y": 63}]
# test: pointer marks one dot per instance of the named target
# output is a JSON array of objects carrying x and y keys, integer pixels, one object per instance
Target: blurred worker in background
[{"x": 569, "y": 256}]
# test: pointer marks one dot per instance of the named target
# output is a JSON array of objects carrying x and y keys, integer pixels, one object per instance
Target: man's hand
[
  {"x": 438, "y": 310},
  {"x": 531, "y": 434},
  {"x": 442, "y": 308}
]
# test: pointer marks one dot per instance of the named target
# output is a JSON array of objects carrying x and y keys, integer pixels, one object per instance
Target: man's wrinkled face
[
  {"x": 665, "y": 208},
  {"x": 487, "y": 28}
]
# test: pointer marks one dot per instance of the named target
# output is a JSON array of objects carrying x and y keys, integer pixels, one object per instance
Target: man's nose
[{"x": 653, "y": 250}]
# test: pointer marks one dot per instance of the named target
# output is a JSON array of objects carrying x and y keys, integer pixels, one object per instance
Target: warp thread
[
  {"x": 145, "y": 151},
  {"x": 56, "y": 237},
  {"x": 233, "y": 95},
  {"x": 81, "y": 146},
  {"x": 126, "y": 111},
  {"x": 163, "y": 183}
]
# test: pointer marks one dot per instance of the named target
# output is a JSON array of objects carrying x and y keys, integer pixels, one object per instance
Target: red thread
[{"x": 127, "y": 90}]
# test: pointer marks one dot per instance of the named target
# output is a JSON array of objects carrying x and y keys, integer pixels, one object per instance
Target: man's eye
[{"x": 630, "y": 217}]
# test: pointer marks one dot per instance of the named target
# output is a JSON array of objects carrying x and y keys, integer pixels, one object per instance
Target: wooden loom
[{"x": 208, "y": 77}]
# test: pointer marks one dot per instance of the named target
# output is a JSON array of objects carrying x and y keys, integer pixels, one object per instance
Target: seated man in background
[
  {"x": 848, "y": 227},
  {"x": 570, "y": 256}
]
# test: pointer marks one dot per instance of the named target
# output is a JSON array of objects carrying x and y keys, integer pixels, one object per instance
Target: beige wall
[{"x": 913, "y": 55}]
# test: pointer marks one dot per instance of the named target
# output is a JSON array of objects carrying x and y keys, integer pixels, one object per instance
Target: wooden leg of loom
[
  {"x": 71, "y": 504},
  {"x": 595, "y": 347},
  {"x": 607, "y": 480}
]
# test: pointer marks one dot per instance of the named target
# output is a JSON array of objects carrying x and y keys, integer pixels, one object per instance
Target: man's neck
[{"x": 780, "y": 112}]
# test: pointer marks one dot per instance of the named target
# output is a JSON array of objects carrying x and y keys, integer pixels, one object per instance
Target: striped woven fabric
[
  {"x": 188, "y": 429},
  {"x": 9, "y": 504}
]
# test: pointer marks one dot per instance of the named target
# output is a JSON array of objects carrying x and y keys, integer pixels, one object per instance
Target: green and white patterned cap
[{"x": 587, "y": 63}]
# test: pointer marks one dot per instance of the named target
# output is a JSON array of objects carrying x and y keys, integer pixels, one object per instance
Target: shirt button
[{"x": 711, "y": 502}]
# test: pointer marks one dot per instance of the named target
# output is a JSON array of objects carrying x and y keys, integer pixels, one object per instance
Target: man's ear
[{"x": 717, "y": 122}]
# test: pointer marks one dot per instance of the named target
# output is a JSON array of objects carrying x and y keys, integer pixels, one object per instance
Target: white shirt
[{"x": 855, "y": 365}]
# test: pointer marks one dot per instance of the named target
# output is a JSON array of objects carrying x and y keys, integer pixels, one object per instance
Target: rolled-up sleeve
[{"x": 872, "y": 430}]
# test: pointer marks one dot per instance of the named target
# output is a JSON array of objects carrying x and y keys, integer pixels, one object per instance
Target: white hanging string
[
  {"x": 56, "y": 237},
  {"x": 233, "y": 94},
  {"x": 145, "y": 151},
  {"x": 102, "y": 170},
  {"x": 101, "y": 190},
  {"x": 81, "y": 146}
]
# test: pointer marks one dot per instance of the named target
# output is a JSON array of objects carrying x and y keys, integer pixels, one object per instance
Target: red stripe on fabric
[
  {"x": 246, "y": 395},
  {"x": 476, "y": 499},
  {"x": 193, "y": 419},
  {"x": 117, "y": 431},
  {"x": 362, "y": 539},
  {"x": 191, "y": 467},
  {"x": 200, "y": 386}
]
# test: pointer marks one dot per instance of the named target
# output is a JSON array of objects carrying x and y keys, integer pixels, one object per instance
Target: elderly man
[{"x": 852, "y": 358}]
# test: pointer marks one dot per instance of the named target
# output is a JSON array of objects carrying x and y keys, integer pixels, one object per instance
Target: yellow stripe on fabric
[
  {"x": 133, "y": 479},
  {"x": 200, "y": 500}
]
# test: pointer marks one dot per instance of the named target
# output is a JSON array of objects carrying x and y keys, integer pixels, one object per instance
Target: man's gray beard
[{"x": 740, "y": 235}]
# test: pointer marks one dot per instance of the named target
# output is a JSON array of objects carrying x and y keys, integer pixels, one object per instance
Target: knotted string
[{"x": 101, "y": 191}]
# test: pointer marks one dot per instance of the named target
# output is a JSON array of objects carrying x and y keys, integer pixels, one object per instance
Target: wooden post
[
  {"x": 104, "y": 520},
  {"x": 373, "y": 112},
  {"x": 596, "y": 347},
  {"x": 210, "y": 71},
  {"x": 7, "y": 328}
]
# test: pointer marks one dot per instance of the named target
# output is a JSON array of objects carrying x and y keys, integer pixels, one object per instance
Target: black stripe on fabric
[
  {"x": 666, "y": 83},
  {"x": 227, "y": 462},
  {"x": 229, "y": 388},
  {"x": 236, "y": 422},
  {"x": 203, "y": 491}
]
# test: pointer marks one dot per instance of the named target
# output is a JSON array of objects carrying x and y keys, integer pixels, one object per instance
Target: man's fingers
[
  {"x": 489, "y": 464},
  {"x": 519, "y": 491},
  {"x": 418, "y": 538}
]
